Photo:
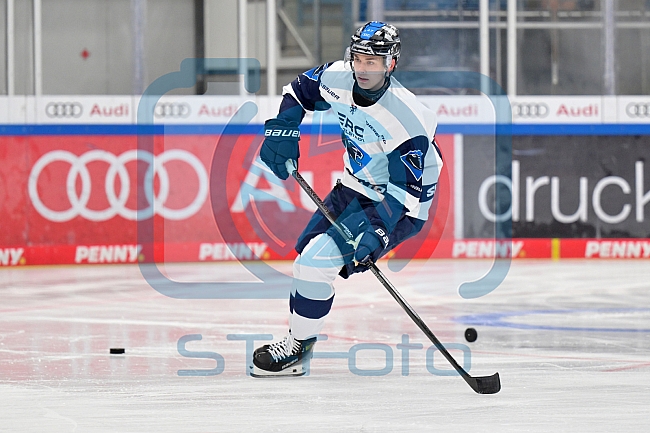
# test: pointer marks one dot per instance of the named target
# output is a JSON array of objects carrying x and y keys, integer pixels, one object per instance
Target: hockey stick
[{"x": 481, "y": 385}]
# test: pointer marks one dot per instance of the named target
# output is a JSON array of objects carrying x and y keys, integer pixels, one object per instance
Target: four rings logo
[
  {"x": 530, "y": 110},
  {"x": 63, "y": 110},
  {"x": 638, "y": 109},
  {"x": 117, "y": 199},
  {"x": 176, "y": 110}
]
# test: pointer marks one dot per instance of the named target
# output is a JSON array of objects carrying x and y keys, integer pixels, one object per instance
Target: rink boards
[{"x": 81, "y": 190}]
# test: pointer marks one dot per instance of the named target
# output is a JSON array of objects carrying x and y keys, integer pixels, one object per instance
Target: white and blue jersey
[
  {"x": 392, "y": 165},
  {"x": 391, "y": 154}
]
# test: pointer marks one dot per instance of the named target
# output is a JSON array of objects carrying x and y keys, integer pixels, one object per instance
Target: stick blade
[{"x": 488, "y": 384}]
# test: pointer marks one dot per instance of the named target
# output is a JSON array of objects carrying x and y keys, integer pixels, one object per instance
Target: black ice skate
[{"x": 284, "y": 358}]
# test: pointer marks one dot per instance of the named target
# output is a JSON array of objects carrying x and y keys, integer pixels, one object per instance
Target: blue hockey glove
[
  {"x": 362, "y": 242},
  {"x": 280, "y": 145},
  {"x": 369, "y": 245}
]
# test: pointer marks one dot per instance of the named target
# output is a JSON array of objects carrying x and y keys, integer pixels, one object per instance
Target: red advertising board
[
  {"x": 74, "y": 199},
  {"x": 89, "y": 198}
]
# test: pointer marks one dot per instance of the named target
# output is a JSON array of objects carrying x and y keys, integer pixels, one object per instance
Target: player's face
[{"x": 370, "y": 71}]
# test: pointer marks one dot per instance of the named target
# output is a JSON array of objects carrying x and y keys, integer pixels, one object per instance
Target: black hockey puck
[
  {"x": 470, "y": 335},
  {"x": 117, "y": 350}
]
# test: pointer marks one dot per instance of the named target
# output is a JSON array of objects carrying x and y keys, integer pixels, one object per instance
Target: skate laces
[{"x": 283, "y": 349}]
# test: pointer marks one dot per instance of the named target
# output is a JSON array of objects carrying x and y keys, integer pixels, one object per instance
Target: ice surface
[{"x": 570, "y": 339}]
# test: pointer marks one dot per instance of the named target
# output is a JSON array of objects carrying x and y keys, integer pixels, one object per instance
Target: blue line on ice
[{"x": 501, "y": 319}]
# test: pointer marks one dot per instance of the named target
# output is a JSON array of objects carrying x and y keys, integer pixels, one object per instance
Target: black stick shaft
[{"x": 387, "y": 284}]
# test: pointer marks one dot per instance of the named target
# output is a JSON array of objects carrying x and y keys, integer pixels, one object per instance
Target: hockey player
[{"x": 391, "y": 165}]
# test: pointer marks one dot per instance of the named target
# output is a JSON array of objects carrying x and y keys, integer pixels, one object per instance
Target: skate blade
[{"x": 294, "y": 370}]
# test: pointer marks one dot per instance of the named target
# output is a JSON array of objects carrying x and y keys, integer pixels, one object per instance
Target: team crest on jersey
[
  {"x": 413, "y": 161},
  {"x": 358, "y": 158},
  {"x": 353, "y": 109}
]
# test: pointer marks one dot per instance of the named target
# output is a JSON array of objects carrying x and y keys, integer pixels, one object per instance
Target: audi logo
[
  {"x": 635, "y": 109},
  {"x": 117, "y": 199},
  {"x": 530, "y": 110},
  {"x": 172, "y": 110},
  {"x": 63, "y": 109}
]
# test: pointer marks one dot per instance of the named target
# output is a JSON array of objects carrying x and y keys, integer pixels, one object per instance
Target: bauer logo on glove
[
  {"x": 282, "y": 133},
  {"x": 382, "y": 235},
  {"x": 280, "y": 145}
]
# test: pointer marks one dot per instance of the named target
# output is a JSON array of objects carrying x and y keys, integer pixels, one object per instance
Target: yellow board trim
[{"x": 555, "y": 249}]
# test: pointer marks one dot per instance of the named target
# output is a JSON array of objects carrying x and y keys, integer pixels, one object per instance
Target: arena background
[
  {"x": 145, "y": 252},
  {"x": 73, "y": 75}
]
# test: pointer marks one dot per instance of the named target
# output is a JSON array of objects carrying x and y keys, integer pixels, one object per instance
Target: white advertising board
[
  {"x": 633, "y": 109},
  {"x": 4, "y": 110},
  {"x": 219, "y": 110},
  {"x": 557, "y": 109},
  {"x": 84, "y": 110},
  {"x": 202, "y": 110},
  {"x": 460, "y": 109}
]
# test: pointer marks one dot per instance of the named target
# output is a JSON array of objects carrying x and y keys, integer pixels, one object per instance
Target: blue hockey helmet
[{"x": 376, "y": 39}]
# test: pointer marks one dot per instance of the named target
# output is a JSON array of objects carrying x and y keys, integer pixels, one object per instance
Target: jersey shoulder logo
[{"x": 413, "y": 161}]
